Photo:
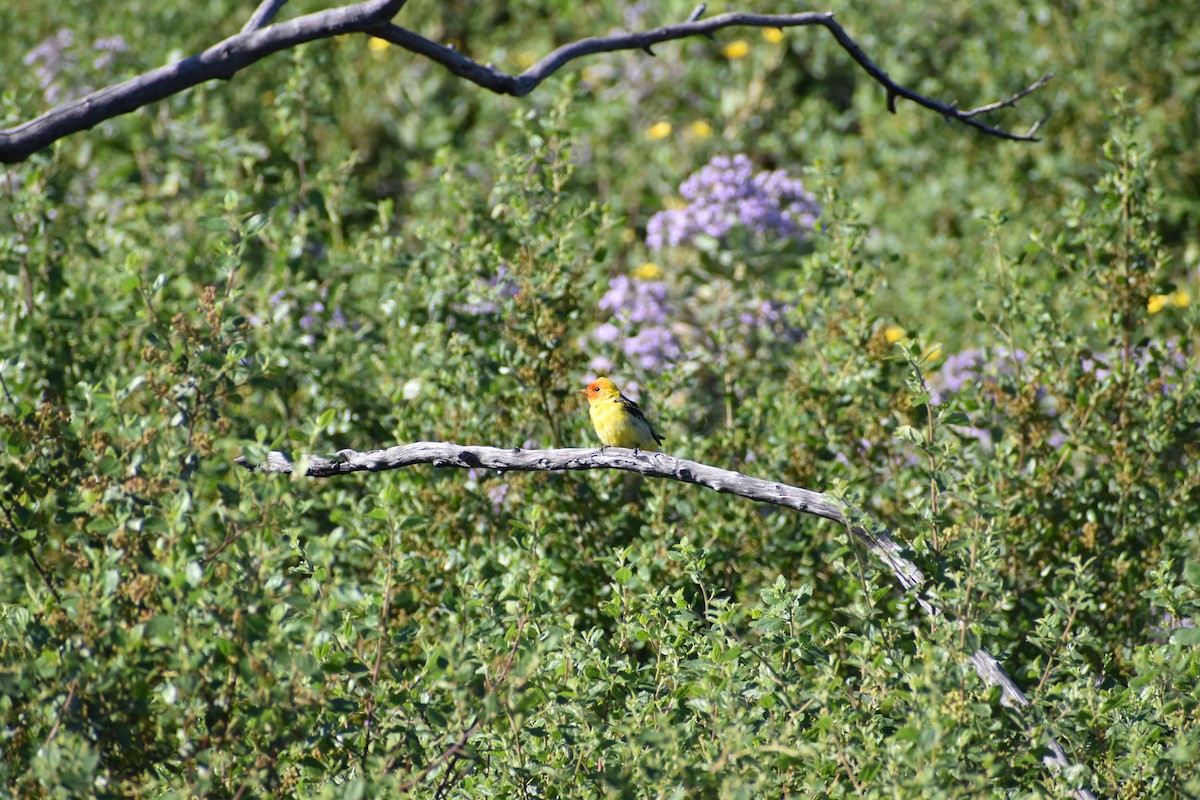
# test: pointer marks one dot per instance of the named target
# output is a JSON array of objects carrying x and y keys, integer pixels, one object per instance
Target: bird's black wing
[{"x": 634, "y": 409}]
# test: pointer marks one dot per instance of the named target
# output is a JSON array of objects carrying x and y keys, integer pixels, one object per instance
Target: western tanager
[{"x": 617, "y": 419}]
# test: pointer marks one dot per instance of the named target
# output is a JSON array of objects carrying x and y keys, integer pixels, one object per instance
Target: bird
[{"x": 617, "y": 419}]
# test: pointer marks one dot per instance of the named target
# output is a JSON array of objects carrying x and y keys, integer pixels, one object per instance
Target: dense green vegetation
[{"x": 988, "y": 347}]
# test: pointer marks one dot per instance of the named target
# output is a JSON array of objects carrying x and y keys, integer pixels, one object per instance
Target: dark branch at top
[
  {"x": 491, "y": 78},
  {"x": 258, "y": 40},
  {"x": 263, "y": 15}
]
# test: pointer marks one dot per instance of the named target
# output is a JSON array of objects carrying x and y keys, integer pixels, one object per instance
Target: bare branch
[
  {"x": 654, "y": 465},
  {"x": 661, "y": 465},
  {"x": 222, "y": 60},
  {"x": 255, "y": 42},
  {"x": 1012, "y": 101},
  {"x": 263, "y": 15},
  {"x": 491, "y": 78}
]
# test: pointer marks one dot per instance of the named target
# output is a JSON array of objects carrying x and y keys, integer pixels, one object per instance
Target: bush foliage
[{"x": 988, "y": 347}]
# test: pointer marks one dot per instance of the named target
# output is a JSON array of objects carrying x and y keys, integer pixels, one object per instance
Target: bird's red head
[{"x": 601, "y": 389}]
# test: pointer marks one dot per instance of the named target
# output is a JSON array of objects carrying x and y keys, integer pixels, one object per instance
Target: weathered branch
[
  {"x": 661, "y": 465},
  {"x": 654, "y": 465},
  {"x": 257, "y": 40}
]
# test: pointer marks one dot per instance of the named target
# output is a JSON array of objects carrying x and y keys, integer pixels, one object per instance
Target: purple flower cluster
[
  {"x": 637, "y": 301},
  {"x": 107, "y": 48},
  {"x": 493, "y": 291},
  {"x": 771, "y": 315},
  {"x": 1144, "y": 358},
  {"x": 644, "y": 305},
  {"x": 972, "y": 366},
  {"x": 728, "y": 193},
  {"x": 55, "y": 62},
  {"x": 50, "y": 58},
  {"x": 497, "y": 493},
  {"x": 314, "y": 317}
]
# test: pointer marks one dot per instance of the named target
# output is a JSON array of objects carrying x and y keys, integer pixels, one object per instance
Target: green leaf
[{"x": 1187, "y": 637}]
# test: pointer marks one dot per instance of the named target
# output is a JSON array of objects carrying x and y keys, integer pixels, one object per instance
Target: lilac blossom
[
  {"x": 1145, "y": 359},
  {"x": 606, "y": 333},
  {"x": 600, "y": 365},
  {"x": 641, "y": 314},
  {"x": 53, "y": 57},
  {"x": 314, "y": 316},
  {"x": 728, "y": 194},
  {"x": 498, "y": 493},
  {"x": 972, "y": 366},
  {"x": 107, "y": 48},
  {"x": 633, "y": 75},
  {"x": 498, "y": 286},
  {"x": 56, "y": 64},
  {"x": 653, "y": 347},
  {"x": 771, "y": 315},
  {"x": 636, "y": 301}
]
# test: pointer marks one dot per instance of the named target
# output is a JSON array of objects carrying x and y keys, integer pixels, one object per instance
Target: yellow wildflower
[
  {"x": 736, "y": 49},
  {"x": 647, "y": 272},
  {"x": 1180, "y": 298},
  {"x": 893, "y": 333},
  {"x": 378, "y": 45},
  {"x": 773, "y": 35},
  {"x": 701, "y": 129},
  {"x": 659, "y": 130}
]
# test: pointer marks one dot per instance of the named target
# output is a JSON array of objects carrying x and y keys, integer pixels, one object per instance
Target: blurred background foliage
[{"x": 989, "y": 347}]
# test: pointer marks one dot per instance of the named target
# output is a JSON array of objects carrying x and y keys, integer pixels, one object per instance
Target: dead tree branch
[
  {"x": 259, "y": 39},
  {"x": 661, "y": 465}
]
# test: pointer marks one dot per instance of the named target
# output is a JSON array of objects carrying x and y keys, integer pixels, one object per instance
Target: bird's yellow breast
[{"x": 616, "y": 427}]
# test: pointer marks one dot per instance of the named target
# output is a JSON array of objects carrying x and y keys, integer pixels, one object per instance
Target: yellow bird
[{"x": 617, "y": 419}]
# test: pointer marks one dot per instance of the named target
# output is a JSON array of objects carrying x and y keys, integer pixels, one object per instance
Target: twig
[
  {"x": 1054, "y": 653},
  {"x": 58, "y": 717},
  {"x": 446, "y": 755},
  {"x": 263, "y": 15},
  {"x": 4, "y": 384},
  {"x": 384, "y": 610},
  {"x": 255, "y": 42},
  {"x": 16, "y": 532},
  {"x": 455, "y": 749},
  {"x": 1012, "y": 101},
  {"x": 660, "y": 465}
]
